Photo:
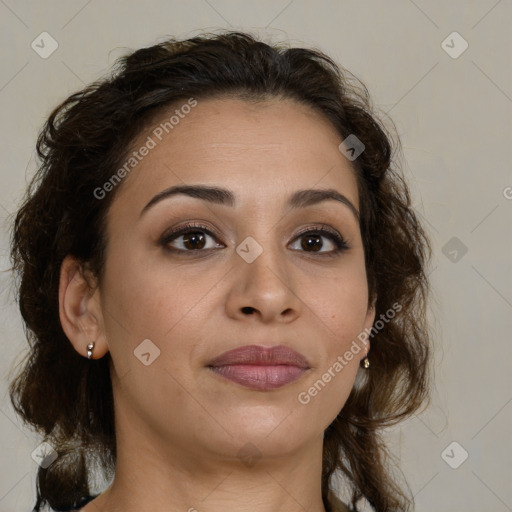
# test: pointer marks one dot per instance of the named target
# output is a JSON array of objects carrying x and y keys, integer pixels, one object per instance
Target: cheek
[
  {"x": 148, "y": 319},
  {"x": 146, "y": 299},
  {"x": 341, "y": 317},
  {"x": 343, "y": 303},
  {"x": 130, "y": 308},
  {"x": 142, "y": 297}
]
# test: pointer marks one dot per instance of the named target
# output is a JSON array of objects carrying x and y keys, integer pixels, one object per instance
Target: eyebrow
[{"x": 222, "y": 196}]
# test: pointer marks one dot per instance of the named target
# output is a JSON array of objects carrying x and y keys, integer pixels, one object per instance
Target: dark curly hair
[{"x": 68, "y": 398}]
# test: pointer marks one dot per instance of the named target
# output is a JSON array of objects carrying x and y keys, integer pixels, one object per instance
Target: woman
[{"x": 224, "y": 285}]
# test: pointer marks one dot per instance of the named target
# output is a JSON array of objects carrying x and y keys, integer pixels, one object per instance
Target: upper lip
[{"x": 262, "y": 356}]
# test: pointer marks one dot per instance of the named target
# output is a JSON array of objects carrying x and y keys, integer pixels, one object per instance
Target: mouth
[{"x": 260, "y": 368}]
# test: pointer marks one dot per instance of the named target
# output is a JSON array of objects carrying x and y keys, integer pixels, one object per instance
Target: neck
[{"x": 176, "y": 479}]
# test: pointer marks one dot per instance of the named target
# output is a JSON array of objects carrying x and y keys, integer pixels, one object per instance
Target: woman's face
[{"x": 246, "y": 276}]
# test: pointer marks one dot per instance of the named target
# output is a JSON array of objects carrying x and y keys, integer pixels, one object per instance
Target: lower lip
[{"x": 262, "y": 378}]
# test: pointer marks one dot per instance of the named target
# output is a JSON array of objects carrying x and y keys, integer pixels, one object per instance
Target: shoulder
[{"x": 336, "y": 504}]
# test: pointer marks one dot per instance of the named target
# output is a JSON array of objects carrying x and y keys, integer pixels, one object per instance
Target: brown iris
[
  {"x": 312, "y": 242},
  {"x": 190, "y": 239}
]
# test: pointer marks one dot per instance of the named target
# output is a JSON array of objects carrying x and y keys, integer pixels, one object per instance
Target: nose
[{"x": 263, "y": 289}]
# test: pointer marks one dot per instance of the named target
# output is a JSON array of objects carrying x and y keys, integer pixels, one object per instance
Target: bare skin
[{"x": 180, "y": 427}]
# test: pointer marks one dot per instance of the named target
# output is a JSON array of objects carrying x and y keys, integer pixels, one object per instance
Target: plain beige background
[{"x": 453, "y": 112}]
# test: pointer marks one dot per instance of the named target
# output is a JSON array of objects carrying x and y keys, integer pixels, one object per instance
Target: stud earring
[
  {"x": 366, "y": 363},
  {"x": 90, "y": 348}
]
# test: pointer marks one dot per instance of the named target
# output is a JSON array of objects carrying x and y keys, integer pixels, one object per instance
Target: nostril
[{"x": 248, "y": 310}]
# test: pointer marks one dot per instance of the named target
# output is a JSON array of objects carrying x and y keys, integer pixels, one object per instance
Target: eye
[
  {"x": 311, "y": 241},
  {"x": 193, "y": 238}
]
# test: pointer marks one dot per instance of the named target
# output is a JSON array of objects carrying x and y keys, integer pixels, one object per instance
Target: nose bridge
[
  {"x": 258, "y": 236},
  {"x": 262, "y": 259},
  {"x": 263, "y": 277}
]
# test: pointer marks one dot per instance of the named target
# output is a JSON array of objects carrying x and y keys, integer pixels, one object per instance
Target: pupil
[
  {"x": 192, "y": 238},
  {"x": 317, "y": 243}
]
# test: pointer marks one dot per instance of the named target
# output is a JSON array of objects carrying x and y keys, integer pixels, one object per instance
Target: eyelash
[{"x": 339, "y": 241}]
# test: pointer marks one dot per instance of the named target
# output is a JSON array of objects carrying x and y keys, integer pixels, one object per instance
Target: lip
[{"x": 261, "y": 368}]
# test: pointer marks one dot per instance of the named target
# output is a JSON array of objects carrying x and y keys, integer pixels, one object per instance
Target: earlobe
[{"x": 80, "y": 310}]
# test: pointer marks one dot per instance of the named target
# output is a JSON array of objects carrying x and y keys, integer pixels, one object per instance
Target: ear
[
  {"x": 368, "y": 323},
  {"x": 80, "y": 308}
]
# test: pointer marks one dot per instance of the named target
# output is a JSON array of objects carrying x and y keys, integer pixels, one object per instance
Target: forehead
[{"x": 263, "y": 149}]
